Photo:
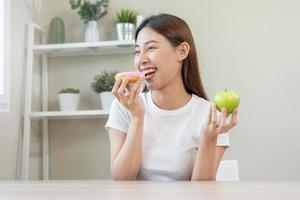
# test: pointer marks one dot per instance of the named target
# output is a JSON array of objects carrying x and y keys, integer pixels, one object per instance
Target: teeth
[{"x": 149, "y": 71}]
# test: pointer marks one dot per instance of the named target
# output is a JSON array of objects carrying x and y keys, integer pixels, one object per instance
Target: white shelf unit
[
  {"x": 70, "y": 115},
  {"x": 56, "y": 50},
  {"x": 75, "y": 49}
]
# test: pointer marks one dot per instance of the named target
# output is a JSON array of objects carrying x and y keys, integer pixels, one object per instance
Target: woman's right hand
[{"x": 130, "y": 97}]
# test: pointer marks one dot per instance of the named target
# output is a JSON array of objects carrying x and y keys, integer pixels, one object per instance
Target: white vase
[
  {"x": 106, "y": 98},
  {"x": 91, "y": 32},
  {"x": 68, "y": 101}
]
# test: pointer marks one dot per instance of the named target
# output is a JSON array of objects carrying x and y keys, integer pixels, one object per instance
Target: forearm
[
  {"x": 127, "y": 163},
  {"x": 205, "y": 163}
]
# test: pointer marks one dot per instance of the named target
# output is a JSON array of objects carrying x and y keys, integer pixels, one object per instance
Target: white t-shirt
[{"x": 170, "y": 137}]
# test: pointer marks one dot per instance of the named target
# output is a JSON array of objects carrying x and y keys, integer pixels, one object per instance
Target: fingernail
[{"x": 213, "y": 108}]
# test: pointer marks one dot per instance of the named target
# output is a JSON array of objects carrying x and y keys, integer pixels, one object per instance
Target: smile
[{"x": 149, "y": 73}]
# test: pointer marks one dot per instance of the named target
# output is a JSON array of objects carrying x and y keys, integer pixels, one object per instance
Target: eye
[
  {"x": 136, "y": 52},
  {"x": 151, "y": 48}
]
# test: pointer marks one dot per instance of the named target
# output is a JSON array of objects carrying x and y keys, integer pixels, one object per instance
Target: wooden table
[{"x": 107, "y": 189}]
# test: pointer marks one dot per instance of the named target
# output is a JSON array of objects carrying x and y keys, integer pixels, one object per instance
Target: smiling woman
[
  {"x": 170, "y": 131},
  {"x": 4, "y": 55}
]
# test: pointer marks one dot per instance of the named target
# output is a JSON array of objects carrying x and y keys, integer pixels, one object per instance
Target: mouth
[{"x": 149, "y": 73}]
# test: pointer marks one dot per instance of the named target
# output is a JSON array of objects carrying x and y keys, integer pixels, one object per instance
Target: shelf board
[
  {"x": 86, "y": 48},
  {"x": 70, "y": 114}
]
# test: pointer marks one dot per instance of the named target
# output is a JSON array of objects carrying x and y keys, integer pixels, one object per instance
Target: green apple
[{"x": 227, "y": 99}]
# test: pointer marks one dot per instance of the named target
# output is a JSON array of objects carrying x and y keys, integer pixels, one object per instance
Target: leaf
[{"x": 75, "y": 3}]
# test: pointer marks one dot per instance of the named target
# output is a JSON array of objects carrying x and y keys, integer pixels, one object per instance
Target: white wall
[
  {"x": 11, "y": 123},
  {"x": 248, "y": 46},
  {"x": 252, "y": 47}
]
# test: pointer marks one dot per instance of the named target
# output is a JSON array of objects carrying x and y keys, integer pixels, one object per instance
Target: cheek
[
  {"x": 168, "y": 64},
  {"x": 136, "y": 64},
  {"x": 162, "y": 58}
]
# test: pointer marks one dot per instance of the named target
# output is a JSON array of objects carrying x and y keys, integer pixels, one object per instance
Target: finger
[
  {"x": 213, "y": 121},
  {"x": 234, "y": 117},
  {"x": 127, "y": 91},
  {"x": 116, "y": 87},
  {"x": 138, "y": 91},
  {"x": 223, "y": 126},
  {"x": 223, "y": 116},
  {"x": 208, "y": 120},
  {"x": 134, "y": 90},
  {"x": 121, "y": 90}
]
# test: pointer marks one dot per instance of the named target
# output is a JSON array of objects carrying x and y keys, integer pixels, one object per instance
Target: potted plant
[
  {"x": 126, "y": 20},
  {"x": 68, "y": 99},
  {"x": 103, "y": 84},
  {"x": 90, "y": 11}
]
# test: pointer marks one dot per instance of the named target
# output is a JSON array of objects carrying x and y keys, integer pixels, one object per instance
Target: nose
[{"x": 141, "y": 59}]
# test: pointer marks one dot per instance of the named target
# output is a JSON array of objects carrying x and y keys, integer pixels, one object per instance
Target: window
[
  {"x": 4, "y": 55},
  {"x": 2, "y": 46}
]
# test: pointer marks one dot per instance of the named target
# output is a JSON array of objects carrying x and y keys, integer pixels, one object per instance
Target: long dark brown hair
[{"x": 176, "y": 31}]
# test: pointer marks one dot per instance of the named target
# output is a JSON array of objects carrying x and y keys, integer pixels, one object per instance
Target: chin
[{"x": 152, "y": 86}]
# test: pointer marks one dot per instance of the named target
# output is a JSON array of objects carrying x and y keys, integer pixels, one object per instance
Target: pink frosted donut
[{"x": 132, "y": 76}]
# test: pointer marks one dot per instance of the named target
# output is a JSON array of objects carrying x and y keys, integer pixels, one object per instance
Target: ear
[{"x": 182, "y": 51}]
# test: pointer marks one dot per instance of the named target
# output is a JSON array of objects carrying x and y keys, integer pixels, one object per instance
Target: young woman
[{"x": 170, "y": 131}]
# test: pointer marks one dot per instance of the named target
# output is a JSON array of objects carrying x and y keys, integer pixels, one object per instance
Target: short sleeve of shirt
[{"x": 119, "y": 117}]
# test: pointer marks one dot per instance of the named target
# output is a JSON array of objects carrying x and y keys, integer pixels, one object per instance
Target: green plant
[
  {"x": 69, "y": 90},
  {"x": 90, "y": 10},
  {"x": 104, "y": 81},
  {"x": 126, "y": 16}
]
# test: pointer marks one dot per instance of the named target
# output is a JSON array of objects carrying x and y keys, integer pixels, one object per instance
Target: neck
[{"x": 171, "y": 97}]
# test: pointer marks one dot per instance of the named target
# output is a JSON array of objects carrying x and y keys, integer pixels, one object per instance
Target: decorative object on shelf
[
  {"x": 90, "y": 11},
  {"x": 103, "y": 84},
  {"x": 56, "y": 31},
  {"x": 68, "y": 99},
  {"x": 91, "y": 32},
  {"x": 126, "y": 20}
]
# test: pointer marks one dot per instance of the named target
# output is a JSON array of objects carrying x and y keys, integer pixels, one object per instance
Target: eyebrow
[{"x": 150, "y": 41}]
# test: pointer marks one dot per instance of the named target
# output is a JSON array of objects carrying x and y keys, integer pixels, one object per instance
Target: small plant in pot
[
  {"x": 90, "y": 11},
  {"x": 103, "y": 84},
  {"x": 68, "y": 99},
  {"x": 126, "y": 20}
]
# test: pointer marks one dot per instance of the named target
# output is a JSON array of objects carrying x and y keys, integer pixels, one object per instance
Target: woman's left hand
[{"x": 214, "y": 126}]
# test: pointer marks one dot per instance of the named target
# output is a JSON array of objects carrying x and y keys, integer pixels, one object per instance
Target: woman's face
[{"x": 157, "y": 59}]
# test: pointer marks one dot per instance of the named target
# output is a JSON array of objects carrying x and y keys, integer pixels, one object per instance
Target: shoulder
[
  {"x": 116, "y": 104},
  {"x": 201, "y": 107},
  {"x": 201, "y": 103},
  {"x": 118, "y": 108}
]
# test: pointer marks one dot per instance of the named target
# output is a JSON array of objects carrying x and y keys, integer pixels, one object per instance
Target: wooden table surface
[{"x": 123, "y": 190}]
